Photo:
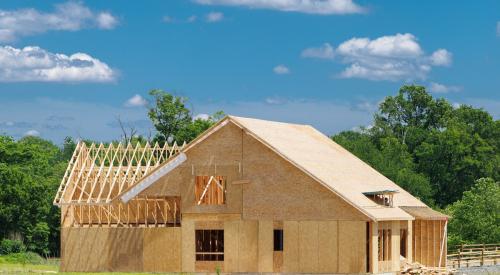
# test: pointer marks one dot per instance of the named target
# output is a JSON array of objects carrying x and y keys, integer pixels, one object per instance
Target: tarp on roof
[{"x": 424, "y": 213}]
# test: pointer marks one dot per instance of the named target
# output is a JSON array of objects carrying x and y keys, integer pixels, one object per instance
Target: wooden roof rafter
[{"x": 96, "y": 174}]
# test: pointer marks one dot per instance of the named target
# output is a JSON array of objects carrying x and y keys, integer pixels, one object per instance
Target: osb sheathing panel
[
  {"x": 266, "y": 246},
  {"x": 291, "y": 246},
  {"x": 395, "y": 240},
  {"x": 188, "y": 246},
  {"x": 84, "y": 249},
  {"x": 127, "y": 245},
  {"x": 352, "y": 247},
  {"x": 328, "y": 247},
  {"x": 220, "y": 154},
  {"x": 231, "y": 245},
  {"x": 70, "y": 243},
  {"x": 279, "y": 191},
  {"x": 315, "y": 246},
  {"x": 428, "y": 237},
  {"x": 162, "y": 249},
  {"x": 248, "y": 250},
  {"x": 308, "y": 246},
  {"x": 241, "y": 246}
]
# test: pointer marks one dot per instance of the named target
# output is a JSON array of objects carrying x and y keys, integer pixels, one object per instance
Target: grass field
[
  {"x": 11, "y": 268},
  {"x": 36, "y": 265}
]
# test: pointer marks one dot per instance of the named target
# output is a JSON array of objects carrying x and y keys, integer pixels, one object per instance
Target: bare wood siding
[
  {"x": 352, "y": 247},
  {"x": 279, "y": 191},
  {"x": 266, "y": 246},
  {"x": 162, "y": 249}
]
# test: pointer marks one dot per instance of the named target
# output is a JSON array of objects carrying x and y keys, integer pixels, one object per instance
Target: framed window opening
[
  {"x": 210, "y": 190},
  {"x": 209, "y": 245},
  {"x": 278, "y": 239}
]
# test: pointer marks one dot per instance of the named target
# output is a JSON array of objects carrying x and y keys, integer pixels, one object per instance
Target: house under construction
[{"x": 247, "y": 195}]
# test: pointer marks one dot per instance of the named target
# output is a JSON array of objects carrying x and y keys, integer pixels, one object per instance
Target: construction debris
[{"x": 418, "y": 268}]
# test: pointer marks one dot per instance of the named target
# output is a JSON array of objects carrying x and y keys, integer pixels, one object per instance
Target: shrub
[
  {"x": 24, "y": 258},
  {"x": 11, "y": 246}
]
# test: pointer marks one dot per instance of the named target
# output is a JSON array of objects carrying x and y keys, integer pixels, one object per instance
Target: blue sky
[{"x": 72, "y": 68}]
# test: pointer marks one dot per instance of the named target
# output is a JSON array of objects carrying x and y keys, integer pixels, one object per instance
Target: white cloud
[
  {"x": 323, "y": 52},
  {"x": 441, "y": 57},
  {"x": 275, "y": 100},
  {"x": 304, "y": 6},
  {"x": 498, "y": 28},
  {"x": 136, "y": 101},
  {"x": 36, "y": 64},
  {"x": 441, "y": 88},
  {"x": 201, "y": 116},
  {"x": 192, "y": 18},
  {"x": 392, "y": 57},
  {"x": 213, "y": 17},
  {"x": 34, "y": 133},
  {"x": 281, "y": 69},
  {"x": 69, "y": 16},
  {"x": 106, "y": 21}
]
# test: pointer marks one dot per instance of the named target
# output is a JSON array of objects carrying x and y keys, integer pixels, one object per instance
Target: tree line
[{"x": 447, "y": 156}]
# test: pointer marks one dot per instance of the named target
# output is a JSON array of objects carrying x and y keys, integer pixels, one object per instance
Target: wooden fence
[{"x": 474, "y": 255}]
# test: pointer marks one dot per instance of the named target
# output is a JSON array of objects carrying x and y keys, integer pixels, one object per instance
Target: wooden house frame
[{"x": 247, "y": 195}]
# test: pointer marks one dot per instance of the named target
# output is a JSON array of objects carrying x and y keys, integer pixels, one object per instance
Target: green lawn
[
  {"x": 10, "y": 268},
  {"x": 11, "y": 265}
]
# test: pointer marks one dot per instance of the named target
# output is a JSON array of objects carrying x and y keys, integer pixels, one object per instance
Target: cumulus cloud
[
  {"x": 32, "y": 132},
  {"x": 441, "y": 88},
  {"x": 213, "y": 17},
  {"x": 201, "y": 116},
  {"x": 69, "y": 16},
  {"x": 281, "y": 69},
  {"x": 136, "y": 101},
  {"x": 324, "y": 7},
  {"x": 392, "y": 57},
  {"x": 325, "y": 51},
  {"x": 36, "y": 64},
  {"x": 441, "y": 57}
]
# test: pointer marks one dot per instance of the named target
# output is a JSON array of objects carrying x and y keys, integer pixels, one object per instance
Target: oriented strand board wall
[
  {"x": 188, "y": 246},
  {"x": 84, "y": 249},
  {"x": 324, "y": 246},
  {"x": 120, "y": 249},
  {"x": 280, "y": 191},
  {"x": 352, "y": 247},
  {"x": 427, "y": 242},
  {"x": 162, "y": 249},
  {"x": 126, "y": 249},
  {"x": 266, "y": 246},
  {"x": 328, "y": 247},
  {"x": 241, "y": 246}
]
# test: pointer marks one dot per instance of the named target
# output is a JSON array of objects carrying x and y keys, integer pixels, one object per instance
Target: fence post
[
  {"x": 482, "y": 256},
  {"x": 459, "y": 256}
]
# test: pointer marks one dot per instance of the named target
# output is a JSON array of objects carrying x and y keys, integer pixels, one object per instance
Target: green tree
[
  {"x": 173, "y": 120},
  {"x": 197, "y": 126},
  {"x": 454, "y": 158},
  {"x": 391, "y": 159},
  {"x": 477, "y": 215},
  {"x": 169, "y": 115},
  {"x": 409, "y": 115},
  {"x": 30, "y": 171}
]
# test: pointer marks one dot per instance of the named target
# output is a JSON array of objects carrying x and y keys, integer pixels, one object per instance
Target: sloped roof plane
[{"x": 325, "y": 161}]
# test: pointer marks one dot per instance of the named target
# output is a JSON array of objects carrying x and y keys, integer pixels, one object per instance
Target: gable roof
[
  {"x": 330, "y": 164},
  {"x": 327, "y": 162}
]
